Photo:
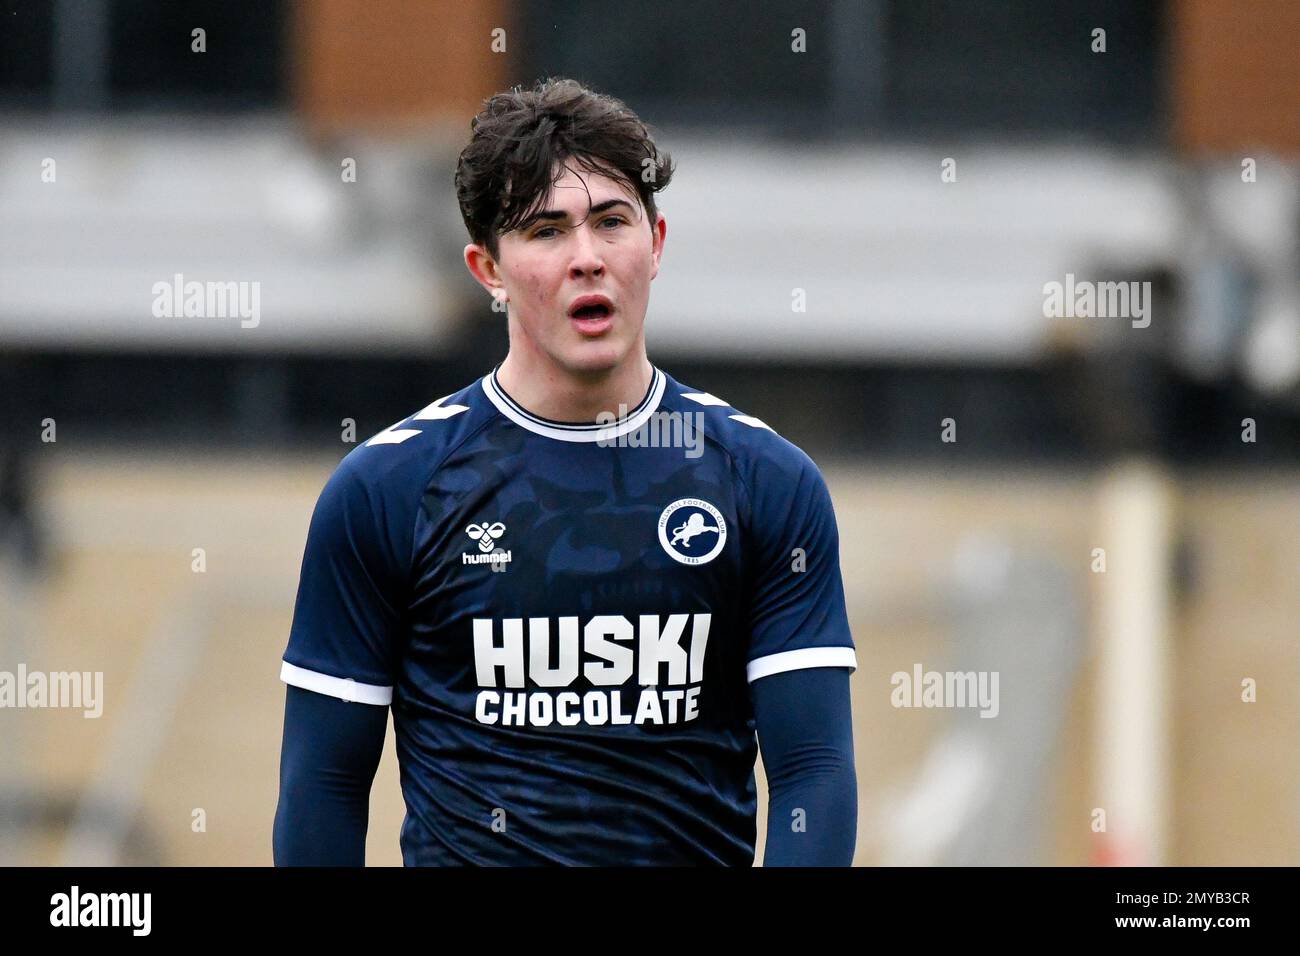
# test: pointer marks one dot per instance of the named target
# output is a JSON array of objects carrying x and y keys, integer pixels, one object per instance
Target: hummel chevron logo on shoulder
[
  {"x": 704, "y": 398},
  {"x": 392, "y": 435}
]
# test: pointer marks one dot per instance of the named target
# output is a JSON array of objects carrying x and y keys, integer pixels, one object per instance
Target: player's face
[{"x": 592, "y": 239}]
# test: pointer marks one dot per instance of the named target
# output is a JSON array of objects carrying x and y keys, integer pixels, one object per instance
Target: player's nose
[{"x": 587, "y": 257}]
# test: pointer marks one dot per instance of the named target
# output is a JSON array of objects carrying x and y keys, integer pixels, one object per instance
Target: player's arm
[
  {"x": 800, "y": 656},
  {"x": 805, "y": 732},
  {"x": 339, "y": 663},
  {"x": 328, "y": 759}
]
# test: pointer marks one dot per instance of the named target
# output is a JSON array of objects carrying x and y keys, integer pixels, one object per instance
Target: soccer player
[{"x": 581, "y": 586}]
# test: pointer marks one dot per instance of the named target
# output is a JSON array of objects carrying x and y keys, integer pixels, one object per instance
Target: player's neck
[{"x": 549, "y": 391}]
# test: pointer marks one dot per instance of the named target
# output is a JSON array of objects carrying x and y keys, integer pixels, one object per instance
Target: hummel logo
[{"x": 486, "y": 535}]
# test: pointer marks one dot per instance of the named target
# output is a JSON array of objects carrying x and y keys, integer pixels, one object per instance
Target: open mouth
[{"x": 591, "y": 312}]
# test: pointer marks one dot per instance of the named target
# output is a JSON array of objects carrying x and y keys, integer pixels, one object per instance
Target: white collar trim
[{"x": 594, "y": 431}]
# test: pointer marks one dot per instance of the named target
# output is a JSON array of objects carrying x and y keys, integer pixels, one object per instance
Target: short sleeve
[
  {"x": 352, "y": 590},
  {"x": 797, "y": 613}
]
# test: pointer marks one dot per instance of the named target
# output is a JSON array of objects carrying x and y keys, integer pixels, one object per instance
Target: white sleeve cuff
[
  {"x": 797, "y": 660},
  {"x": 344, "y": 688}
]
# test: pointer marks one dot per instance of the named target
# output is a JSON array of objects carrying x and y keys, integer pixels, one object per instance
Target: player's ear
[
  {"x": 658, "y": 233},
  {"x": 484, "y": 269}
]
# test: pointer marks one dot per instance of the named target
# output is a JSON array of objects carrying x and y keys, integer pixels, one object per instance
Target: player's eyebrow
[{"x": 559, "y": 214}]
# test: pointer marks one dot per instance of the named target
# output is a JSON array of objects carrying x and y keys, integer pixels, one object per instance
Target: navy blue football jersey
[{"x": 566, "y": 619}]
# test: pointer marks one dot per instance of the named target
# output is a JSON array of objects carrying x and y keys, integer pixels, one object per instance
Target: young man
[{"x": 578, "y": 625}]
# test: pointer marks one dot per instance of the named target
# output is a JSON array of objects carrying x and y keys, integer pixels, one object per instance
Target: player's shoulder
[
  {"x": 402, "y": 456},
  {"x": 751, "y": 442}
]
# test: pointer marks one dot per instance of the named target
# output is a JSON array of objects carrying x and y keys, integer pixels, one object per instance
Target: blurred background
[{"x": 873, "y": 200}]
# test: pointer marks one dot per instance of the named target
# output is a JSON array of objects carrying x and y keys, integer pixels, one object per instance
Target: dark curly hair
[{"x": 505, "y": 172}]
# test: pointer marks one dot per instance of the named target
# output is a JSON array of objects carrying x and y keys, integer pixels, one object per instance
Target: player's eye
[{"x": 617, "y": 220}]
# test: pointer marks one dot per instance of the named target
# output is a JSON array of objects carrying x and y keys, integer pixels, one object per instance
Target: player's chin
[
  {"x": 598, "y": 354},
  {"x": 593, "y": 361}
]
